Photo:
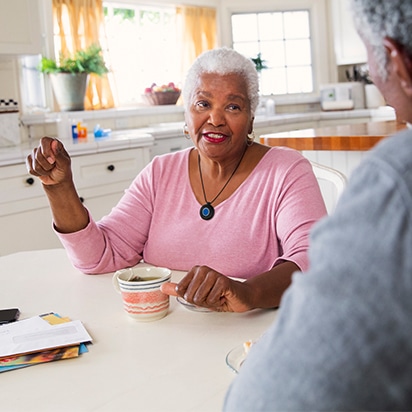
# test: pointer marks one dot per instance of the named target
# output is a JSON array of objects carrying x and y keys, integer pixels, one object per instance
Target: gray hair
[
  {"x": 377, "y": 19},
  {"x": 223, "y": 61}
]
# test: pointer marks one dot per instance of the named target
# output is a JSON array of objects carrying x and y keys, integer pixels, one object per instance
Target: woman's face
[{"x": 218, "y": 116}]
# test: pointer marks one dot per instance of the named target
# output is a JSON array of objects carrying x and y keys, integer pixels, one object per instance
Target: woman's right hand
[
  {"x": 50, "y": 162},
  {"x": 52, "y": 165}
]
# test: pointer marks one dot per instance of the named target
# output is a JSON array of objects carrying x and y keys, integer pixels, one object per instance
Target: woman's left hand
[{"x": 203, "y": 286}]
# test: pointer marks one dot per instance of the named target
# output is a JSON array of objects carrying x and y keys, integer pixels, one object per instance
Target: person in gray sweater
[{"x": 342, "y": 339}]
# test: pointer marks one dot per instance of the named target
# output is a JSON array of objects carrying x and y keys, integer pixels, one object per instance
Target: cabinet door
[
  {"x": 104, "y": 169},
  {"x": 168, "y": 145},
  {"x": 101, "y": 205},
  {"x": 349, "y": 48},
  {"x": 19, "y": 191},
  {"x": 20, "y": 29},
  {"x": 25, "y": 218},
  {"x": 101, "y": 179},
  {"x": 28, "y": 230}
]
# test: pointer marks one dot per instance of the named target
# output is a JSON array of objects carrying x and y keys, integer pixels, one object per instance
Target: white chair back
[{"x": 331, "y": 183}]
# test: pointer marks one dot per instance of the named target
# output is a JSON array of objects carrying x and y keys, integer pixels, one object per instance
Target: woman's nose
[{"x": 217, "y": 118}]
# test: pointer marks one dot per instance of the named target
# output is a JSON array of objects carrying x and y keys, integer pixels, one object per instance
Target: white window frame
[
  {"x": 319, "y": 35},
  {"x": 278, "y": 65}
]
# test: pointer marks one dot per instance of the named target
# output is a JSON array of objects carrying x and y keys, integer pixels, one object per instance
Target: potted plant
[{"x": 69, "y": 75}]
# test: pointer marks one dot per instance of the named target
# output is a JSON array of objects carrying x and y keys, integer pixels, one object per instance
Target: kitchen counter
[
  {"x": 350, "y": 137},
  {"x": 146, "y": 136},
  {"x": 120, "y": 140}
]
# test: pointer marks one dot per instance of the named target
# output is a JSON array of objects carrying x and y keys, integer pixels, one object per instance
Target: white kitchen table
[{"x": 177, "y": 363}]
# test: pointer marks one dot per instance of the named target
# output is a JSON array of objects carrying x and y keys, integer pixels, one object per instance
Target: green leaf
[
  {"x": 259, "y": 63},
  {"x": 89, "y": 60}
]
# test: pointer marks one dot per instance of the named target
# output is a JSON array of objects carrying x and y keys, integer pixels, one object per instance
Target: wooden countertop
[{"x": 359, "y": 136}]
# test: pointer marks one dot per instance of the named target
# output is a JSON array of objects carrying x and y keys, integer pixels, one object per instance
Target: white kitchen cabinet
[
  {"x": 20, "y": 27},
  {"x": 169, "y": 144},
  {"x": 101, "y": 180},
  {"x": 25, "y": 219},
  {"x": 349, "y": 48}
]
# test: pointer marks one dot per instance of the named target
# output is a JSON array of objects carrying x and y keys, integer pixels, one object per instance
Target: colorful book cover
[{"x": 21, "y": 361}]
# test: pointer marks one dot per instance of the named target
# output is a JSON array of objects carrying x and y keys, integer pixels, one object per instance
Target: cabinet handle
[
  {"x": 30, "y": 181},
  {"x": 111, "y": 168}
]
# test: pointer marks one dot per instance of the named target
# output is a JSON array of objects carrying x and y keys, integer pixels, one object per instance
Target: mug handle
[{"x": 115, "y": 283}]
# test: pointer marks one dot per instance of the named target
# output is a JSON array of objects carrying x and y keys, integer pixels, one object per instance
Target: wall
[{"x": 9, "y": 85}]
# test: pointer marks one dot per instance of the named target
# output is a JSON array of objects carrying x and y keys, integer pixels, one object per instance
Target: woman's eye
[
  {"x": 202, "y": 103},
  {"x": 233, "y": 107}
]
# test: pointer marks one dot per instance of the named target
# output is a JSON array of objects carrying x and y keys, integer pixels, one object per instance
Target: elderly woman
[{"x": 229, "y": 207}]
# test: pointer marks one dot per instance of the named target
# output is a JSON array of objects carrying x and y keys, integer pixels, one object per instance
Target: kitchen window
[
  {"x": 142, "y": 41},
  {"x": 142, "y": 44},
  {"x": 32, "y": 84},
  {"x": 283, "y": 40}
]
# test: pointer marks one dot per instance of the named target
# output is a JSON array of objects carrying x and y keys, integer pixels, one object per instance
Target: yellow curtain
[
  {"x": 198, "y": 32},
  {"x": 79, "y": 24}
]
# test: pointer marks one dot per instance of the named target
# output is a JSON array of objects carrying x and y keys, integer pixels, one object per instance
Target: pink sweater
[{"x": 266, "y": 221}]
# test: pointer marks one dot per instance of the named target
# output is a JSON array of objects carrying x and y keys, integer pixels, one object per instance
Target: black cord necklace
[{"x": 207, "y": 211}]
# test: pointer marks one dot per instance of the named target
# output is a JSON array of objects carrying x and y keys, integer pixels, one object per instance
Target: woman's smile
[{"x": 213, "y": 137}]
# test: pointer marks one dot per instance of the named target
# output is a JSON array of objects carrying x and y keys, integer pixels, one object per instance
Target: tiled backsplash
[
  {"x": 114, "y": 119},
  {"x": 9, "y": 85},
  {"x": 8, "y": 105}
]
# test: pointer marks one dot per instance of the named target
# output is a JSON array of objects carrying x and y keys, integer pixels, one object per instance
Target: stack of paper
[{"x": 41, "y": 339}]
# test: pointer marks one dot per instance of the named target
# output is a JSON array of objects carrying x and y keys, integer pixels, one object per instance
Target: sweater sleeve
[{"x": 117, "y": 240}]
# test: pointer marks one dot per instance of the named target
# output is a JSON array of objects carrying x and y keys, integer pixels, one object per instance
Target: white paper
[{"x": 35, "y": 334}]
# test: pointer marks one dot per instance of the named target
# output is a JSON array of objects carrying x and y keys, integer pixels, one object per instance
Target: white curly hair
[{"x": 223, "y": 61}]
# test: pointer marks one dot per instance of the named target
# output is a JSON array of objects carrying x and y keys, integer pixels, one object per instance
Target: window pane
[
  {"x": 150, "y": 37},
  {"x": 297, "y": 52},
  {"x": 249, "y": 49},
  {"x": 296, "y": 24},
  {"x": 270, "y": 26},
  {"x": 244, "y": 27},
  {"x": 274, "y": 53},
  {"x": 32, "y": 91},
  {"x": 283, "y": 40},
  {"x": 299, "y": 80},
  {"x": 279, "y": 78}
]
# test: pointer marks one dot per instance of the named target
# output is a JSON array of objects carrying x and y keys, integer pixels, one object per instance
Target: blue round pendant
[{"x": 207, "y": 211}]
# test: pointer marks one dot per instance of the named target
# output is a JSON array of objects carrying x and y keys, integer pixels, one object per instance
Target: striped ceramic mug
[{"x": 139, "y": 287}]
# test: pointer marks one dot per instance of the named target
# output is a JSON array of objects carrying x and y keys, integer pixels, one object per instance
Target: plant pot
[{"x": 69, "y": 90}]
